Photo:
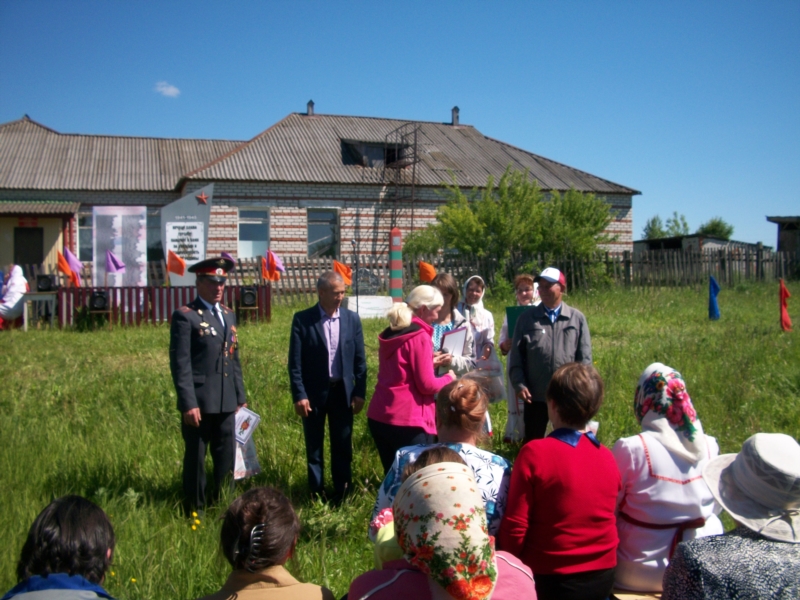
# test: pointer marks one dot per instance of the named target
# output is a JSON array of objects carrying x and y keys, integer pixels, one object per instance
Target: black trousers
[
  {"x": 535, "y": 420},
  {"x": 588, "y": 585},
  {"x": 390, "y": 438},
  {"x": 340, "y": 428},
  {"x": 216, "y": 432}
]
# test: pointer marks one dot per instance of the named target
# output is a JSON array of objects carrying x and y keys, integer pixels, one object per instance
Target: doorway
[{"x": 28, "y": 245}]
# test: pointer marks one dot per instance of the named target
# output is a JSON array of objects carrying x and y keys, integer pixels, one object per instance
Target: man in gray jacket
[{"x": 545, "y": 337}]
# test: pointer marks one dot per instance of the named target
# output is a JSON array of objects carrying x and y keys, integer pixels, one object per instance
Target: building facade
[{"x": 310, "y": 185}]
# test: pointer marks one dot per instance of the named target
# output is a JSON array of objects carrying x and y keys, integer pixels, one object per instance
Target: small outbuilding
[{"x": 788, "y": 233}]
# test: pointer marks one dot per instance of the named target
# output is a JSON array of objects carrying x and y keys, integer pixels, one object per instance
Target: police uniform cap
[{"x": 215, "y": 269}]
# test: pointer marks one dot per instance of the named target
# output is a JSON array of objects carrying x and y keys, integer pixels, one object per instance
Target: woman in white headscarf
[
  {"x": 664, "y": 499},
  {"x": 14, "y": 289},
  {"x": 481, "y": 320}
]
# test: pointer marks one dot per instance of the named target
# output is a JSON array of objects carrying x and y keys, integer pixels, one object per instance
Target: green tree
[
  {"x": 716, "y": 227},
  {"x": 677, "y": 225},
  {"x": 654, "y": 228},
  {"x": 515, "y": 216}
]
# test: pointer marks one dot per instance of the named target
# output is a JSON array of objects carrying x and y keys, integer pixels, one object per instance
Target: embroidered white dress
[
  {"x": 492, "y": 474},
  {"x": 660, "y": 489}
]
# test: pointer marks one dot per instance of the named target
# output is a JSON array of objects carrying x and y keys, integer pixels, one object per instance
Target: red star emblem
[{"x": 202, "y": 198}]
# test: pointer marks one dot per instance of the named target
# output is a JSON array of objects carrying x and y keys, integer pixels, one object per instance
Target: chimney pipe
[
  {"x": 310, "y": 108},
  {"x": 455, "y": 116}
]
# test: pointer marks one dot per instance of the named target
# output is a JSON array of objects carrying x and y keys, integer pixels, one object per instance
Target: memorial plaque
[
  {"x": 184, "y": 230},
  {"x": 123, "y": 230}
]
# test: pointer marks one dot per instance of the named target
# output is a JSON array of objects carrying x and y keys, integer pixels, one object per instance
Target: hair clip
[
  {"x": 460, "y": 385},
  {"x": 452, "y": 408},
  {"x": 253, "y": 560}
]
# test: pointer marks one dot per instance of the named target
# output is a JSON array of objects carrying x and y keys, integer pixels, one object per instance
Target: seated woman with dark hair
[
  {"x": 259, "y": 533},
  {"x": 560, "y": 513},
  {"x": 67, "y": 552}
]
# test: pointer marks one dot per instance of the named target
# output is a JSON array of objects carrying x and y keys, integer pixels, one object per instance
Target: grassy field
[{"x": 94, "y": 414}]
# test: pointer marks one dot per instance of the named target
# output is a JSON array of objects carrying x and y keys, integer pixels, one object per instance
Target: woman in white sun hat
[{"x": 760, "y": 489}]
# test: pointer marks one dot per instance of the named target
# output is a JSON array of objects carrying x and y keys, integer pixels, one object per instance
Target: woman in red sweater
[{"x": 559, "y": 517}]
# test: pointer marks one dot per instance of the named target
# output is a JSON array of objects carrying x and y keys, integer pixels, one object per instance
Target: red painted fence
[{"x": 133, "y": 306}]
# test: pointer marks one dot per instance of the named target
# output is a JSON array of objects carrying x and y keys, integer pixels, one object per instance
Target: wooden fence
[
  {"x": 155, "y": 303},
  {"x": 134, "y": 306},
  {"x": 648, "y": 269}
]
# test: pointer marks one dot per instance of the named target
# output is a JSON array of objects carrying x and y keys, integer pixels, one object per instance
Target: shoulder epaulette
[{"x": 184, "y": 309}]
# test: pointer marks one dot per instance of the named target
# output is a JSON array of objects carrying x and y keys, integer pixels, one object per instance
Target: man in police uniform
[{"x": 204, "y": 360}]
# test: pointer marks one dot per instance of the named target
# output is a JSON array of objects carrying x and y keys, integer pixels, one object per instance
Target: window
[
  {"x": 323, "y": 233},
  {"x": 370, "y": 154},
  {"x": 85, "y": 237},
  {"x": 155, "y": 250},
  {"x": 253, "y": 233}
]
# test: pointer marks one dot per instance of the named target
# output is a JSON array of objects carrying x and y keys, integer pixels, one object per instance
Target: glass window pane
[
  {"x": 251, "y": 232},
  {"x": 323, "y": 233}
]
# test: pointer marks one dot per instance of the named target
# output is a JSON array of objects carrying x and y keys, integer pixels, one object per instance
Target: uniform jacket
[
  {"x": 205, "y": 367},
  {"x": 541, "y": 347},
  {"x": 308, "y": 356}
]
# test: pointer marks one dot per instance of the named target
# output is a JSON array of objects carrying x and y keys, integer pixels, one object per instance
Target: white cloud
[{"x": 167, "y": 89}]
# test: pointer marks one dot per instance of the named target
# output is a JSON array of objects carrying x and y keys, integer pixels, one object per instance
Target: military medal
[{"x": 213, "y": 331}]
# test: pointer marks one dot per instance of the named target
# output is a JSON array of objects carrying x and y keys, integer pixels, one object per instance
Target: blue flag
[{"x": 713, "y": 307}]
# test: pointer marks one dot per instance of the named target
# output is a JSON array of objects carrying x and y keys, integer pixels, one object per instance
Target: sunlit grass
[{"x": 94, "y": 414}]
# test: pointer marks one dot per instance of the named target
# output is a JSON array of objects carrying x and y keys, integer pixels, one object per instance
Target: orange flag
[
  {"x": 427, "y": 272},
  {"x": 345, "y": 271},
  {"x": 175, "y": 264},
  {"x": 63, "y": 266},
  {"x": 786, "y": 322},
  {"x": 268, "y": 270}
]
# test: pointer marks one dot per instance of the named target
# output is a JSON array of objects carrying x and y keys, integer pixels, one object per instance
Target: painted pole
[{"x": 396, "y": 265}]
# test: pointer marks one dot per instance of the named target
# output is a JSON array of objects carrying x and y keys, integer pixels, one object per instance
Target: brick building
[{"x": 306, "y": 186}]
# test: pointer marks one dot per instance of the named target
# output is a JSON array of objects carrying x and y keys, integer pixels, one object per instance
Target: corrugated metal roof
[
  {"x": 303, "y": 148},
  {"x": 36, "y": 207},
  {"x": 35, "y": 157},
  {"x": 299, "y": 148}
]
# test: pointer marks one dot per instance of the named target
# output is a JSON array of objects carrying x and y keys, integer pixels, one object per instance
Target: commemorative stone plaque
[{"x": 184, "y": 230}]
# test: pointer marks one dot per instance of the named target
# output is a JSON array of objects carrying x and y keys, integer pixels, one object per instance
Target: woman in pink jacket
[{"x": 402, "y": 411}]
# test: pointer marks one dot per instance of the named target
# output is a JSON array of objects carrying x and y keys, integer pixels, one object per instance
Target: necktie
[{"x": 218, "y": 314}]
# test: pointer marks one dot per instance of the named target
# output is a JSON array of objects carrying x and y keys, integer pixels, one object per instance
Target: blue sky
[{"x": 696, "y": 104}]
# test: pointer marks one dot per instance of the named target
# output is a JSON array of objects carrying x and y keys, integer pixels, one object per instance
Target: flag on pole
[
  {"x": 427, "y": 272},
  {"x": 345, "y": 271},
  {"x": 113, "y": 263},
  {"x": 175, "y": 264},
  {"x": 713, "y": 307},
  {"x": 276, "y": 260},
  {"x": 75, "y": 265},
  {"x": 268, "y": 270},
  {"x": 786, "y": 322},
  {"x": 63, "y": 266},
  {"x": 228, "y": 256}
]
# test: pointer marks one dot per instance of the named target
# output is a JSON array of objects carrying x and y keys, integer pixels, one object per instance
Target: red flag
[
  {"x": 63, "y": 266},
  {"x": 268, "y": 270},
  {"x": 786, "y": 322},
  {"x": 427, "y": 272},
  {"x": 345, "y": 271},
  {"x": 175, "y": 264}
]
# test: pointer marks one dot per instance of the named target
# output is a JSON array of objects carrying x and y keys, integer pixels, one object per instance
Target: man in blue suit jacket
[{"x": 328, "y": 377}]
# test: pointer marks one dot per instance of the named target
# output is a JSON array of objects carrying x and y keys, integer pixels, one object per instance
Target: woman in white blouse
[{"x": 664, "y": 499}]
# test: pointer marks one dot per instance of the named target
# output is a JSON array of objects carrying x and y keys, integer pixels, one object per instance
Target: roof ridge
[
  {"x": 316, "y": 114},
  {"x": 26, "y": 119},
  {"x": 540, "y": 157},
  {"x": 238, "y": 148}
]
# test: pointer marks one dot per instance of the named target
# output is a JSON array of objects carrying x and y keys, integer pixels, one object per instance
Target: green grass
[{"x": 94, "y": 414}]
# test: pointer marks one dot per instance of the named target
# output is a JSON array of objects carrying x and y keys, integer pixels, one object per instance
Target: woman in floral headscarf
[
  {"x": 440, "y": 524},
  {"x": 664, "y": 499}
]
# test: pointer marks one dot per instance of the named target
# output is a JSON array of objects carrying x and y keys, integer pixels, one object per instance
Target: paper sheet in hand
[
  {"x": 453, "y": 341},
  {"x": 246, "y": 423}
]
